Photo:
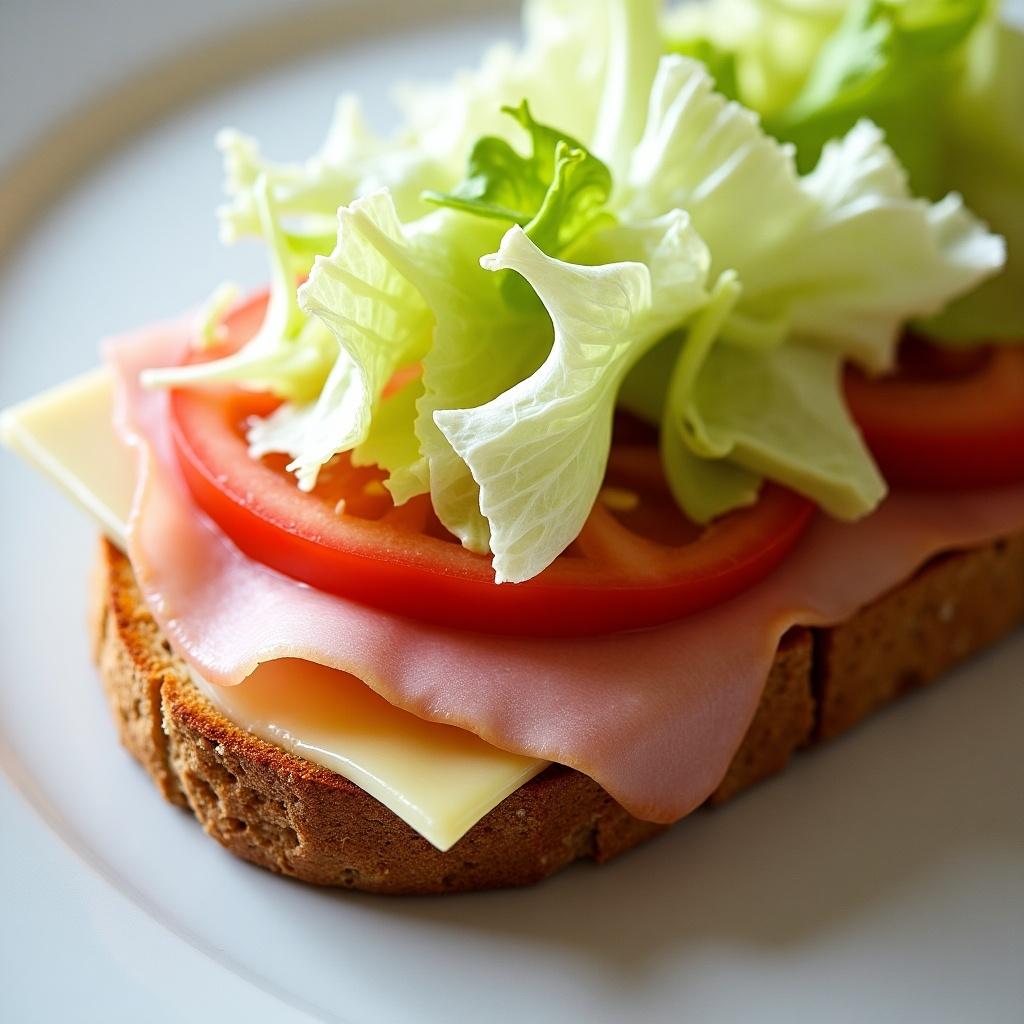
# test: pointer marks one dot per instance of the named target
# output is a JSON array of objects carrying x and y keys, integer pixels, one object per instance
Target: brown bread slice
[
  {"x": 299, "y": 819},
  {"x": 956, "y": 605}
]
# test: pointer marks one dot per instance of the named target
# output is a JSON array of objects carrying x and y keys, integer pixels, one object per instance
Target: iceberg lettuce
[
  {"x": 290, "y": 356},
  {"x": 942, "y": 79},
  {"x": 558, "y": 193},
  {"x": 538, "y": 451},
  {"x": 381, "y": 325},
  {"x": 559, "y": 70},
  {"x": 503, "y": 184},
  {"x": 842, "y": 256},
  {"x": 983, "y": 159},
  {"x": 395, "y": 296},
  {"x": 351, "y": 163},
  {"x": 482, "y": 345},
  {"x": 587, "y": 223},
  {"x": 837, "y": 260}
]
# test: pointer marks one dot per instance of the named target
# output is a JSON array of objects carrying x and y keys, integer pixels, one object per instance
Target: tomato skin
[
  {"x": 946, "y": 429},
  {"x": 615, "y": 580},
  {"x": 436, "y": 581}
]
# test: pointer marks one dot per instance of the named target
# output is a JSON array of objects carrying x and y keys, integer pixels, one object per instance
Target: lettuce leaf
[
  {"x": 352, "y": 162},
  {"x": 768, "y": 46},
  {"x": 892, "y": 62},
  {"x": 313, "y": 432},
  {"x": 814, "y": 68},
  {"x": 703, "y": 154},
  {"x": 721, "y": 64},
  {"x": 734, "y": 416},
  {"x": 871, "y": 256},
  {"x": 481, "y": 347},
  {"x": 841, "y": 257},
  {"x": 538, "y": 451},
  {"x": 634, "y": 47},
  {"x": 943, "y": 79},
  {"x": 381, "y": 325},
  {"x": 558, "y": 193},
  {"x": 395, "y": 295},
  {"x": 289, "y": 356},
  {"x": 837, "y": 260},
  {"x": 703, "y": 486},
  {"x": 751, "y": 408},
  {"x": 983, "y": 159},
  {"x": 392, "y": 444},
  {"x": 502, "y": 183},
  {"x": 559, "y": 70}
]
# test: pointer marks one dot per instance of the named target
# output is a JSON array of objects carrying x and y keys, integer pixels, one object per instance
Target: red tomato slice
[
  {"x": 637, "y": 562},
  {"x": 946, "y": 419}
]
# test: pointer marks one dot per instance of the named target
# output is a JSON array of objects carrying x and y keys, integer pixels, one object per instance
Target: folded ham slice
[{"x": 653, "y": 716}]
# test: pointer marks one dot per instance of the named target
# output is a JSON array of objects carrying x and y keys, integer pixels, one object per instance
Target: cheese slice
[
  {"x": 68, "y": 434},
  {"x": 439, "y": 779}
]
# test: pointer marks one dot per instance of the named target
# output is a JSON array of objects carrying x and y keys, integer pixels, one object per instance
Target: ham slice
[{"x": 653, "y": 716}]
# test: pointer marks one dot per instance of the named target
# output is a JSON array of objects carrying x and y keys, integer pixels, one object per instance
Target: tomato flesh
[
  {"x": 945, "y": 419},
  {"x": 637, "y": 562}
]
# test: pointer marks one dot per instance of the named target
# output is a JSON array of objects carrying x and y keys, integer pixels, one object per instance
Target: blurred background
[{"x": 56, "y": 53}]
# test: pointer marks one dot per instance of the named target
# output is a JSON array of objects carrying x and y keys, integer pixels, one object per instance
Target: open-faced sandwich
[{"x": 644, "y": 409}]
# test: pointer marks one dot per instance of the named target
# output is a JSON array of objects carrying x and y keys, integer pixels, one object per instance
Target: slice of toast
[{"x": 299, "y": 819}]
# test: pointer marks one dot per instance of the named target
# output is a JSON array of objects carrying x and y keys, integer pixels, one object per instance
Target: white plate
[{"x": 880, "y": 879}]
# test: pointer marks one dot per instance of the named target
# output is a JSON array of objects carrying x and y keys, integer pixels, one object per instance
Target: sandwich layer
[
  {"x": 299, "y": 819},
  {"x": 653, "y": 716}
]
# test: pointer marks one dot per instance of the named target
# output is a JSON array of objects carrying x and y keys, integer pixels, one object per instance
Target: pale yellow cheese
[
  {"x": 439, "y": 779},
  {"x": 68, "y": 433}
]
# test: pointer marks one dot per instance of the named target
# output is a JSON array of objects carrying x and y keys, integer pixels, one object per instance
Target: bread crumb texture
[{"x": 299, "y": 819}]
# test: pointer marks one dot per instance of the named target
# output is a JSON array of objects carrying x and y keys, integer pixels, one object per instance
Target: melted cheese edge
[{"x": 439, "y": 779}]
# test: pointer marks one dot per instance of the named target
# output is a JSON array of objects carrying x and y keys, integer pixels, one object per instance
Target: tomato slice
[
  {"x": 945, "y": 419},
  {"x": 637, "y": 562}
]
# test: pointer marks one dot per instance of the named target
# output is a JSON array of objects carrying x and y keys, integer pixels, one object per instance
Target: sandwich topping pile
[{"x": 629, "y": 350}]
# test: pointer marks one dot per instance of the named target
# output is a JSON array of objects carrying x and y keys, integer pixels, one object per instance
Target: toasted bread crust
[
  {"x": 299, "y": 819},
  {"x": 956, "y": 605}
]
